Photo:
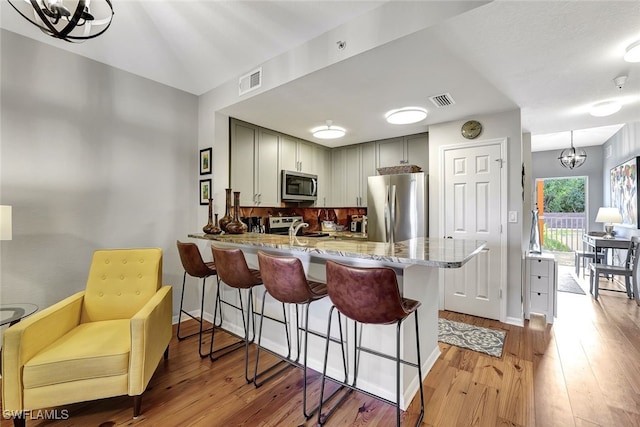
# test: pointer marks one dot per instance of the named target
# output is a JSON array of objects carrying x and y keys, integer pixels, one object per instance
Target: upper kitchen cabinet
[
  {"x": 297, "y": 155},
  {"x": 323, "y": 165},
  {"x": 406, "y": 150},
  {"x": 352, "y": 165},
  {"x": 254, "y": 164}
]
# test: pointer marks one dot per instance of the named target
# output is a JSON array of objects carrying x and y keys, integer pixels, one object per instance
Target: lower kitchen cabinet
[{"x": 541, "y": 273}]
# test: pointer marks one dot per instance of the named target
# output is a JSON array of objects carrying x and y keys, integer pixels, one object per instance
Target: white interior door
[{"x": 472, "y": 189}]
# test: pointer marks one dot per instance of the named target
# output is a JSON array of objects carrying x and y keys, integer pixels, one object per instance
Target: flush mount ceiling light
[
  {"x": 603, "y": 109},
  {"x": 632, "y": 54},
  {"x": 328, "y": 131},
  {"x": 69, "y": 20},
  {"x": 406, "y": 115},
  {"x": 571, "y": 158}
]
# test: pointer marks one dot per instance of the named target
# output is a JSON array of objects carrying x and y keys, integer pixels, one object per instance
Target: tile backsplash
[{"x": 312, "y": 216}]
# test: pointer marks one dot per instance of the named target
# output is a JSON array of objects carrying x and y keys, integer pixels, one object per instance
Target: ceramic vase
[
  {"x": 236, "y": 226},
  {"x": 227, "y": 218}
]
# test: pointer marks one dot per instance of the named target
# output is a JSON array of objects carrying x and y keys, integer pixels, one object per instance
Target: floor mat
[
  {"x": 476, "y": 338},
  {"x": 566, "y": 283}
]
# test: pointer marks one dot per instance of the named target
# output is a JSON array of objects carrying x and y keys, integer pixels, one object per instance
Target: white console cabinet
[{"x": 541, "y": 275}]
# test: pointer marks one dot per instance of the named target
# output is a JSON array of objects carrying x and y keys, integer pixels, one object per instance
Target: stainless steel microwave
[{"x": 298, "y": 186}]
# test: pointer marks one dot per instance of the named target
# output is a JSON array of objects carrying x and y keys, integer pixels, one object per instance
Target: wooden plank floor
[{"x": 582, "y": 371}]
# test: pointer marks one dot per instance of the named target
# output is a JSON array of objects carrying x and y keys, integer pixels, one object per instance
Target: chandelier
[
  {"x": 69, "y": 20},
  {"x": 571, "y": 158}
]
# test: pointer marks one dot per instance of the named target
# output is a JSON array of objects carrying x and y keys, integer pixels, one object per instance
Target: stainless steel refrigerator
[{"x": 397, "y": 207}]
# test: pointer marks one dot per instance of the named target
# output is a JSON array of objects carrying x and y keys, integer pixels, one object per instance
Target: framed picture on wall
[
  {"x": 624, "y": 191},
  {"x": 205, "y": 161},
  {"x": 205, "y": 191}
]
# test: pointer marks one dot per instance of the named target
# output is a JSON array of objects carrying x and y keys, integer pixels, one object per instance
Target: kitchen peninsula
[{"x": 416, "y": 263}]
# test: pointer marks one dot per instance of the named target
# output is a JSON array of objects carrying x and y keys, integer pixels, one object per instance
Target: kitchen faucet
[{"x": 296, "y": 226}]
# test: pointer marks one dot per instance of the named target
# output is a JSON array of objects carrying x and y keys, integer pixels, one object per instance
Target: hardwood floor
[{"x": 582, "y": 371}]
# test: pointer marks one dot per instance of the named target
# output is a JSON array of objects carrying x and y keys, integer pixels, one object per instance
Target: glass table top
[{"x": 11, "y": 313}]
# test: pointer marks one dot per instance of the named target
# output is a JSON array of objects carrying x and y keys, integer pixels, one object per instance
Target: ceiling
[{"x": 550, "y": 59}]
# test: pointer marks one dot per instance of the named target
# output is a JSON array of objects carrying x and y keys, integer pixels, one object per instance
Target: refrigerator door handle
[
  {"x": 392, "y": 214},
  {"x": 387, "y": 214}
]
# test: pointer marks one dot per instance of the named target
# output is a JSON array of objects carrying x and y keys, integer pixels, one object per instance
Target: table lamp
[
  {"x": 5, "y": 222},
  {"x": 609, "y": 216}
]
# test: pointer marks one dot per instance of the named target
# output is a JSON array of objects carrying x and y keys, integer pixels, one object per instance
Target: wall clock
[{"x": 471, "y": 129}]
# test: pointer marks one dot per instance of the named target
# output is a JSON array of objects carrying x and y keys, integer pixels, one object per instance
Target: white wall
[
  {"x": 90, "y": 157},
  {"x": 499, "y": 125}
]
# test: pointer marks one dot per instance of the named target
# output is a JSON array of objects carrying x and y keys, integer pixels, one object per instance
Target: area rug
[
  {"x": 474, "y": 338},
  {"x": 566, "y": 283}
]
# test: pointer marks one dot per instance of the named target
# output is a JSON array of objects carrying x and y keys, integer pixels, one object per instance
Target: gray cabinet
[
  {"x": 322, "y": 157},
  {"x": 352, "y": 165},
  {"x": 405, "y": 150},
  {"x": 297, "y": 155},
  {"x": 254, "y": 164}
]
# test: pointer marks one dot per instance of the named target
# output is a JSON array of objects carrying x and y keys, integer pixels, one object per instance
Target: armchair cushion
[{"x": 91, "y": 350}]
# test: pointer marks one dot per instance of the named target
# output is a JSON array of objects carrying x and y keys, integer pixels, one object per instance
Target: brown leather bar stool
[
  {"x": 233, "y": 270},
  {"x": 370, "y": 296},
  {"x": 285, "y": 280},
  {"x": 194, "y": 266}
]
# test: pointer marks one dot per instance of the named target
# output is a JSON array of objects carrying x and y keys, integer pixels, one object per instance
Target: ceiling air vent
[
  {"x": 442, "y": 100},
  {"x": 250, "y": 81}
]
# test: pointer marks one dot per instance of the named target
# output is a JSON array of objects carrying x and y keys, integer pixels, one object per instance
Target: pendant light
[
  {"x": 571, "y": 158},
  {"x": 69, "y": 20}
]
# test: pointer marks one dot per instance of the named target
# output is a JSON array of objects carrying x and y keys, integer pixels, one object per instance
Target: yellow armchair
[{"x": 104, "y": 341}]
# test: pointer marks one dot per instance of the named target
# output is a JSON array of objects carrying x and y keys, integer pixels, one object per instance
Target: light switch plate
[{"x": 513, "y": 216}]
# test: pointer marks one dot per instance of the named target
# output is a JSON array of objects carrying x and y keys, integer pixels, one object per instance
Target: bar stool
[
  {"x": 285, "y": 280},
  {"x": 194, "y": 266},
  {"x": 233, "y": 270},
  {"x": 370, "y": 296}
]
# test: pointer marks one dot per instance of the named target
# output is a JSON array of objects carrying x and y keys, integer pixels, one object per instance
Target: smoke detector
[{"x": 620, "y": 81}]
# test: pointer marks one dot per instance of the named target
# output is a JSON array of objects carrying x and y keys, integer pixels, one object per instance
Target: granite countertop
[{"x": 433, "y": 252}]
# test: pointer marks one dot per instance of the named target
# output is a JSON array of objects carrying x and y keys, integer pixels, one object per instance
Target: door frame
[{"x": 502, "y": 143}]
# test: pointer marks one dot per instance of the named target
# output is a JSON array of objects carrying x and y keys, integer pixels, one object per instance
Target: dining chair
[{"x": 597, "y": 270}]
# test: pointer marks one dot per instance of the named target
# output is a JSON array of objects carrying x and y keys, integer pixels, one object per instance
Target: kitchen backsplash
[{"x": 312, "y": 216}]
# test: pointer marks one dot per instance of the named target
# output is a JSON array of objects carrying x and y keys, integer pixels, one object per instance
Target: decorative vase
[
  {"x": 535, "y": 246},
  {"x": 227, "y": 218},
  {"x": 210, "y": 228},
  {"x": 236, "y": 226}
]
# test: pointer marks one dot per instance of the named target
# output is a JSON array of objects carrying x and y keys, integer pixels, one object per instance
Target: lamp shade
[
  {"x": 609, "y": 215},
  {"x": 5, "y": 222}
]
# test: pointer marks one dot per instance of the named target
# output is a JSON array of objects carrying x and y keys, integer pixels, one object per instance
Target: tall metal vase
[
  {"x": 535, "y": 246},
  {"x": 227, "y": 218},
  {"x": 236, "y": 226}
]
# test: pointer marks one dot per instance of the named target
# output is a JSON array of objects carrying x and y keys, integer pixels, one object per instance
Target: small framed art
[
  {"x": 205, "y": 161},
  {"x": 205, "y": 191}
]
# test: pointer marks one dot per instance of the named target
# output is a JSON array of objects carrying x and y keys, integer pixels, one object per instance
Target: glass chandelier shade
[
  {"x": 69, "y": 20},
  {"x": 571, "y": 158}
]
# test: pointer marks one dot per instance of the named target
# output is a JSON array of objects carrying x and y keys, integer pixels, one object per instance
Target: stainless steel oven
[
  {"x": 298, "y": 186},
  {"x": 280, "y": 224}
]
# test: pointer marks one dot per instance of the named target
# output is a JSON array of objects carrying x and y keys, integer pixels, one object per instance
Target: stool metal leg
[
  {"x": 357, "y": 351},
  {"x": 256, "y": 383},
  {"x": 242, "y": 341},
  {"x": 200, "y": 321}
]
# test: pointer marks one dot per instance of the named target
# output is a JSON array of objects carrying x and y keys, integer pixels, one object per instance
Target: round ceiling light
[
  {"x": 406, "y": 115},
  {"x": 603, "y": 109},
  {"x": 632, "y": 53},
  {"x": 328, "y": 131}
]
